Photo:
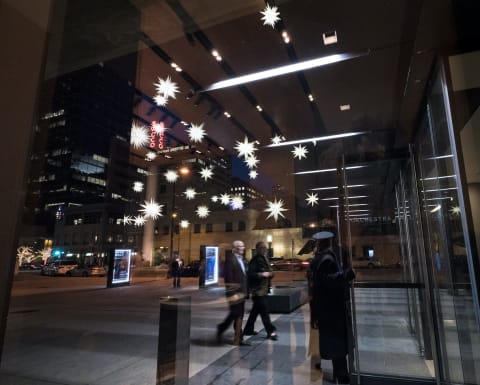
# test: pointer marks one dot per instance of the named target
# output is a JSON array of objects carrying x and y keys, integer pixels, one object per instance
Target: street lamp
[
  {"x": 183, "y": 171},
  {"x": 269, "y": 241}
]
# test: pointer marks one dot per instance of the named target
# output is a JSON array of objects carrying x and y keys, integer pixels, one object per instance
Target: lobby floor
[{"x": 89, "y": 335}]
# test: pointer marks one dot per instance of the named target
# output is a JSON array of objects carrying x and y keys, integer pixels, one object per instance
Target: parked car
[
  {"x": 365, "y": 262},
  {"x": 59, "y": 267},
  {"x": 290, "y": 264},
  {"x": 30, "y": 266},
  {"x": 86, "y": 271},
  {"x": 192, "y": 269}
]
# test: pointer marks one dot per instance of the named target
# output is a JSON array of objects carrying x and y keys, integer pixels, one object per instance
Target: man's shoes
[
  {"x": 219, "y": 335},
  {"x": 252, "y": 333},
  {"x": 243, "y": 343},
  {"x": 272, "y": 336},
  {"x": 343, "y": 379}
]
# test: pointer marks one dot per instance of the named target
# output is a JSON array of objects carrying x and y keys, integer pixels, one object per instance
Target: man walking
[
  {"x": 259, "y": 277},
  {"x": 235, "y": 277}
]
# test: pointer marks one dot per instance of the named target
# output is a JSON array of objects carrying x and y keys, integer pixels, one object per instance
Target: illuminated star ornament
[
  {"x": 245, "y": 148},
  {"x": 171, "y": 176},
  {"x": 184, "y": 223},
  {"x": 225, "y": 199},
  {"x": 138, "y": 136},
  {"x": 137, "y": 186},
  {"x": 151, "y": 209},
  {"x": 127, "y": 220},
  {"x": 237, "y": 202},
  {"x": 253, "y": 174},
  {"x": 150, "y": 155},
  {"x": 251, "y": 161},
  {"x": 270, "y": 15},
  {"x": 165, "y": 89},
  {"x": 275, "y": 209},
  {"x": 276, "y": 139},
  {"x": 202, "y": 211},
  {"x": 207, "y": 173},
  {"x": 300, "y": 151},
  {"x": 196, "y": 132},
  {"x": 455, "y": 210},
  {"x": 312, "y": 199},
  {"x": 160, "y": 100},
  {"x": 159, "y": 128},
  {"x": 214, "y": 198},
  {"x": 190, "y": 193},
  {"x": 139, "y": 221}
]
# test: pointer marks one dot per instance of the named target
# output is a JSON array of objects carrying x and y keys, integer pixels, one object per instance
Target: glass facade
[{"x": 121, "y": 138}]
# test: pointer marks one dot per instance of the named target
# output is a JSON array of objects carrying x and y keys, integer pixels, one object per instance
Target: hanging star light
[
  {"x": 300, "y": 151},
  {"x": 137, "y": 186},
  {"x": 312, "y": 199},
  {"x": 225, "y": 199},
  {"x": 276, "y": 139},
  {"x": 159, "y": 128},
  {"x": 207, "y": 172},
  {"x": 275, "y": 209},
  {"x": 202, "y": 211},
  {"x": 138, "y": 136},
  {"x": 171, "y": 176},
  {"x": 245, "y": 148},
  {"x": 196, "y": 132},
  {"x": 214, "y": 198},
  {"x": 151, "y": 155},
  {"x": 160, "y": 100},
  {"x": 190, "y": 193},
  {"x": 151, "y": 209},
  {"x": 166, "y": 87},
  {"x": 253, "y": 174},
  {"x": 270, "y": 15},
  {"x": 251, "y": 161},
  {"x": 184, "y": 223},
  {"x": 127, "y": 220},
  {"x": 237, "y": 202},
  {"x": 139, "y": 221},
  {"x": 455, "y": 210}
]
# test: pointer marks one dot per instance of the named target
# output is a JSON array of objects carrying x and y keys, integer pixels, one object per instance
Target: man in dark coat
[
  {"x": 329, "y": 307},
  {"x": 259, "y": 276},
  {"x": 236, "y": 290}
]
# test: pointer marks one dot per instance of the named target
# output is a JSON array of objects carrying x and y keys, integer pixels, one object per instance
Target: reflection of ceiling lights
[
  {"x": 318, "y": 139},
  {"x": 336, "y": 187},
  {"x": 437, "y": 207},
  {"x": 336, "y": 198},
  {"x": 439, "y": 157},
  {"x": 439, "y": 177},
  {"x": 325, "y": 170},
  {"x": 283, "y": 70},
  {"x": 440, "y": 189},
  {"x": 344, "y": 107}
]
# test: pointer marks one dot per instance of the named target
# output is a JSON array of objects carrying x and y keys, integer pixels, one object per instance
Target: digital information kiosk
[
  {"x": 119, "y": 267},
  {"x": 209, "y": 262}
]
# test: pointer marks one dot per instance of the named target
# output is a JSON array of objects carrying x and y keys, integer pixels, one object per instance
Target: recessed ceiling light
[
  {"x": 259, "y": 108},
  {"x": 310, "y": 97},
  {"x": 330, "y": 37},
  {"x": 344, "y": 107}
]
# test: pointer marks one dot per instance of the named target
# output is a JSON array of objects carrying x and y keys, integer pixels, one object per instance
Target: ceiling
[{"x": 396, "y": 42}]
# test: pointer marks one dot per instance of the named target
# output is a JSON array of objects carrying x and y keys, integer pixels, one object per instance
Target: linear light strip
[
  {"x": 283, "y": 70},
  {"x": 317, "y": 139}
]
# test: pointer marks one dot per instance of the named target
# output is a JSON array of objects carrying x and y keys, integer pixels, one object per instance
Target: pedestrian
[
  {"x": 177, "y": 268},
  {"x": 329, "y": 306},
  {"x": 235, "y": 277},
  {"x": 259, "y": 279}
]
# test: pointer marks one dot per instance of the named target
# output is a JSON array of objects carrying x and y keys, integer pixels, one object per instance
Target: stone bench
[{"x": 285, "y": 299}]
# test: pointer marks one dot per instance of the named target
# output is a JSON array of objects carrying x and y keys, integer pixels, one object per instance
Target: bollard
[{"x": 173, "y": 341}]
